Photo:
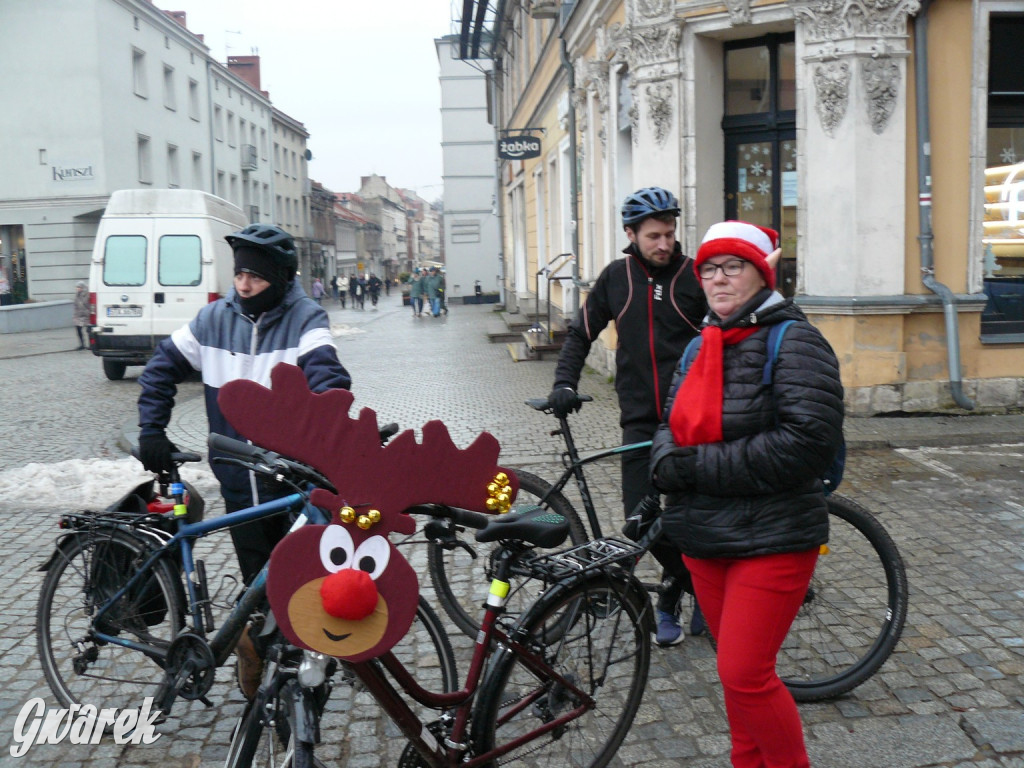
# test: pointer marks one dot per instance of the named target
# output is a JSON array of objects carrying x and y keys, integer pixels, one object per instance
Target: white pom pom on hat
[{"x": 743, "y": 239}]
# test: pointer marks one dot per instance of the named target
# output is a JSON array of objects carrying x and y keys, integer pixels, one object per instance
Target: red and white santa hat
[{"x": 740, "y": 238}]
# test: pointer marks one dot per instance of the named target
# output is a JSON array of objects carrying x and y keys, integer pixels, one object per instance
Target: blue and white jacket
[{"x": 224, "y": 345}]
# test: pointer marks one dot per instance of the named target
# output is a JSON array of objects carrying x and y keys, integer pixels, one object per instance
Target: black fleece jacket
[{"x": 656, "y": 312}]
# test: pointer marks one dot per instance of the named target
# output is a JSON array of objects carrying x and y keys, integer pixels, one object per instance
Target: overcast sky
[{"x": 361, "y": 75}]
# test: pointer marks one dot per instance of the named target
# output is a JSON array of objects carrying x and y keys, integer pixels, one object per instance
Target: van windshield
[
  {"x": 124, "y": 260},
  {"x": 180, "y": 260}
]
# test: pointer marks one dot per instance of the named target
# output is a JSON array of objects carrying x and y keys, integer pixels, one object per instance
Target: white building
[
  {"x": 114, "y": 94},
  {"x": 472, "y": 235}
]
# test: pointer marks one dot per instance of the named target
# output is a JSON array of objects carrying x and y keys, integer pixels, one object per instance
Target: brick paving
[{"x": 948, "y": 489}]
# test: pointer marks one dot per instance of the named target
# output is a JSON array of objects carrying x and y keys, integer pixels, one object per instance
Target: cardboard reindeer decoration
[{"x": 344, "y": 589}]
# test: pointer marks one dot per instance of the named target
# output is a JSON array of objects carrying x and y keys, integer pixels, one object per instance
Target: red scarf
[{"x": 696, "y": 415}]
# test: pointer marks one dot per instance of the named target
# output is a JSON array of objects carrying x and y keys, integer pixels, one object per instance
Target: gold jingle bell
[
  {"x": 494, "y": 489},
  {"x": 347, "y": 514},
  {"x": 493, "y": 505},
  {"x": 501, "y": 478},
  {"x": 374, "y": 515},
  {"x": 364, "y": 522}
]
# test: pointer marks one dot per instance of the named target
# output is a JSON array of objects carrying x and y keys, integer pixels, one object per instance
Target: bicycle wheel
[
  {"x": 424, "y": 650},
  {"x": 596, "y": 633},
  {"x": 88, "y": 570},
  {"x": 259, "y": 745},
  {"x": 462, "y": 574},
  {"x": 854, "y": 611}
]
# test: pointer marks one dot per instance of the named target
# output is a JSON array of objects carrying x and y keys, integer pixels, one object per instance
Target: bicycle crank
[{"x": 190, "y": 667}]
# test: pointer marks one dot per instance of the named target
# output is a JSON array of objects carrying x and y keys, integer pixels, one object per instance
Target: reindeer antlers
[{"x": 316, "y": 429}]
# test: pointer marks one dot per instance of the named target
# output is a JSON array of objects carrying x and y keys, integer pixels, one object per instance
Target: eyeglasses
[{"x": 707, "y": 270}]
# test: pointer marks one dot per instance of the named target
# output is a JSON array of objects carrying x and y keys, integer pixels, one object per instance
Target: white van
[{"x": 159, "y": 256}]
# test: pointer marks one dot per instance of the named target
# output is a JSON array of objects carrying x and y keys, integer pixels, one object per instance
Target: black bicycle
[{"x": 850, "y": 622}]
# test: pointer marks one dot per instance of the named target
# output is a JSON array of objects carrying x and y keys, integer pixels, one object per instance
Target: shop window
[{"x": 1003, "y": 234}]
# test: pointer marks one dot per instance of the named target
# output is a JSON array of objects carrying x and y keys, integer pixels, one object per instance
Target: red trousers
[{"x": 749, "y": 605}]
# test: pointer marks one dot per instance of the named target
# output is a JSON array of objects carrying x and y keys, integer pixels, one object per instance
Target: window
[
  {"x": 179, "y": 261},
  {"x": 232, "y": 139},
  {"x": 124, "y": 260},
  {"x": 193, "y": 99},
  {"x": 173, "y": 171},
  {"x": 220, "y": 191},
  {"x": 139, "y": 73},
  {"x": 197, "y": 170},
  {"x": 1003, "y": 233},
  {"x": 263, "y": 143},
  {"x": 218, "y": 123},
  {"x": 169, "y": 100},
  {"x": 145, "y": 160}
]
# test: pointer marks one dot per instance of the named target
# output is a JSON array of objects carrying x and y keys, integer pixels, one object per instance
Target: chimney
[{"x": 247, "y": 68}]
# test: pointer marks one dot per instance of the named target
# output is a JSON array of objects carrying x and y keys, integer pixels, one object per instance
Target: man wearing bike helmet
[
  {"x": 266, "y": 319},
  {"x": 657, "y": 304}
]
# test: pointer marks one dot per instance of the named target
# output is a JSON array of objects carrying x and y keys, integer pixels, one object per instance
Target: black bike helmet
[
  {"x": 648, "y": 202},
  {"x": 269, "y": 239}
]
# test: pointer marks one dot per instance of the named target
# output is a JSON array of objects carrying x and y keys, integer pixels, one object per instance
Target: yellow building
[{"x": 878, "y": 136}]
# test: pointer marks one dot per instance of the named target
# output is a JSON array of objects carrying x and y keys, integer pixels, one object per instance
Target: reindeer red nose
[{"x": 349, "y": 594}]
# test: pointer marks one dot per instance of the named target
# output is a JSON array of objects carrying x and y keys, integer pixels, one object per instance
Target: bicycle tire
[
  {"x": 88, "y": 569},
  {"x": 257, "y": 745},
  {"x": 596, "y": 631},
  {"x": 456, "y": 576},
  {"x": 254, "y": 744},
  {"x": 855, "y": 610}
]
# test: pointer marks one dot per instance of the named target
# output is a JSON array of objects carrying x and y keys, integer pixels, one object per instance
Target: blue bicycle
[{"x": 125, "y": 610}]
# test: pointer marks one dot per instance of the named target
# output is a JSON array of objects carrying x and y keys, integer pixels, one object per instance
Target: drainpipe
[
  {"x": 924, "y": 188},
  {"x": 574, "y": 190}
]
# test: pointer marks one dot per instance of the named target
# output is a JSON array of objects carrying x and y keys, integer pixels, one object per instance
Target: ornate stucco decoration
[
  {"x": 649, "y": 10},
  {"x": 739, "y": 11},
  {"x": 881, "y": 78},
  {"x": 592, "y": 77},
  {"x": 874, "y": 32},
  {"x": 659, "y": 109},
  {"x": 832, "y": 86}
]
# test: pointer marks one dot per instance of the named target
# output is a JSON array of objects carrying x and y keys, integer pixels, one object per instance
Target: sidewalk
[{"x": 910, "y": 431}]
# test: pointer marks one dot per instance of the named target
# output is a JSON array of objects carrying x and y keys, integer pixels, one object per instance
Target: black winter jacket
[
  {"x": 656, "y": 312},
  {"x": 759, "y": 490}
]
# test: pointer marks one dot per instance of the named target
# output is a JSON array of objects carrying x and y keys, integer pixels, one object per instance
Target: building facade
[
  {"x": 118, "y": 95},
  {"x": 878, "y": 137},
  {"x": 471, "y": 225}
]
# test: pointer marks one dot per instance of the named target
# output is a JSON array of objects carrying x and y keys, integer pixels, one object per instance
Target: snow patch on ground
[{"x": 88, "y": 483}]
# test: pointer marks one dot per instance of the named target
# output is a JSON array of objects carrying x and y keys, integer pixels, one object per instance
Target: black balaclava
[{"x": 262, "y": 264}]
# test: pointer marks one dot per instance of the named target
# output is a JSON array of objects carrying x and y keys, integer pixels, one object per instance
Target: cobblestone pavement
[{"x": 951, "y": 695}]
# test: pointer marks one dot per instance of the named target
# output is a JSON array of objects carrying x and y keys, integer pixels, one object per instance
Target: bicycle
[
  {"x": 560, "y": 687},
  {"x": 851, "y": 619},
  {"x": 115, "y": 623}
]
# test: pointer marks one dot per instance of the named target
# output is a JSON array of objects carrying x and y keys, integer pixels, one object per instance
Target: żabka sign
[{"x": 518, "y": 147}]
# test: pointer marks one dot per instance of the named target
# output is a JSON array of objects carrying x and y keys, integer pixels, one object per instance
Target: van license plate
[{"x": 124, "y": 311}]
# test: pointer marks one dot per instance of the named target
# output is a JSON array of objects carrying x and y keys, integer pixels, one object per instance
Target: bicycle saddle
[{"x": 534, "y": 525}]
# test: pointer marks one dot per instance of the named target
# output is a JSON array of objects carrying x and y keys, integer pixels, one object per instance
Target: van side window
[
  {"x": 124, "y": 260},
  {"x": 180, "y": 260}
]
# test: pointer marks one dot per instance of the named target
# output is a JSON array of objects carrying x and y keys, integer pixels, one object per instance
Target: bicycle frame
[
  {"x": 451, "y": 752},
  {"x": 574, "y": 463},
  {"x": 223, "y": 642}
]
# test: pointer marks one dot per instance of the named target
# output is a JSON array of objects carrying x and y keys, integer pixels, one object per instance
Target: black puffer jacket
[
  {"x": 656, "y": 312},
  {"x": 759, "y": 490}
]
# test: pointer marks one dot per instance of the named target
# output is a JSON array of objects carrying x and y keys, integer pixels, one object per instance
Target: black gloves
[
  {"x": 563, "y": 401},
  {"x": 675, "y": 471},
  {"x": 155, "y": 451}
]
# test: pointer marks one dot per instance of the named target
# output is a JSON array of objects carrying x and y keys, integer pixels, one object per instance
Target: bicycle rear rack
[{"x": 596, "y": 555}]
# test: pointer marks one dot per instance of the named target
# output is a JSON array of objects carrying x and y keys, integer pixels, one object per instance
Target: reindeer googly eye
[
  {"x": 336, "y": 549},
  {"x": 372, "y": 556}
]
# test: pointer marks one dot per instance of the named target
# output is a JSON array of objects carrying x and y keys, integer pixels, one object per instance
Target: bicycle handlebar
[
  {"x": 265, "y": 462},
  {"x": 464, "y": 517},
  {"x": 543, "y": 404}
]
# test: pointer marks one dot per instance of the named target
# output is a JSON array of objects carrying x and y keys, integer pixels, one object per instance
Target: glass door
[{"x": 759, "y": 128}]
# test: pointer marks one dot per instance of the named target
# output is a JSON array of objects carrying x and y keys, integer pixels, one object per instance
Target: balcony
[{"x": 249, "y": 161}]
